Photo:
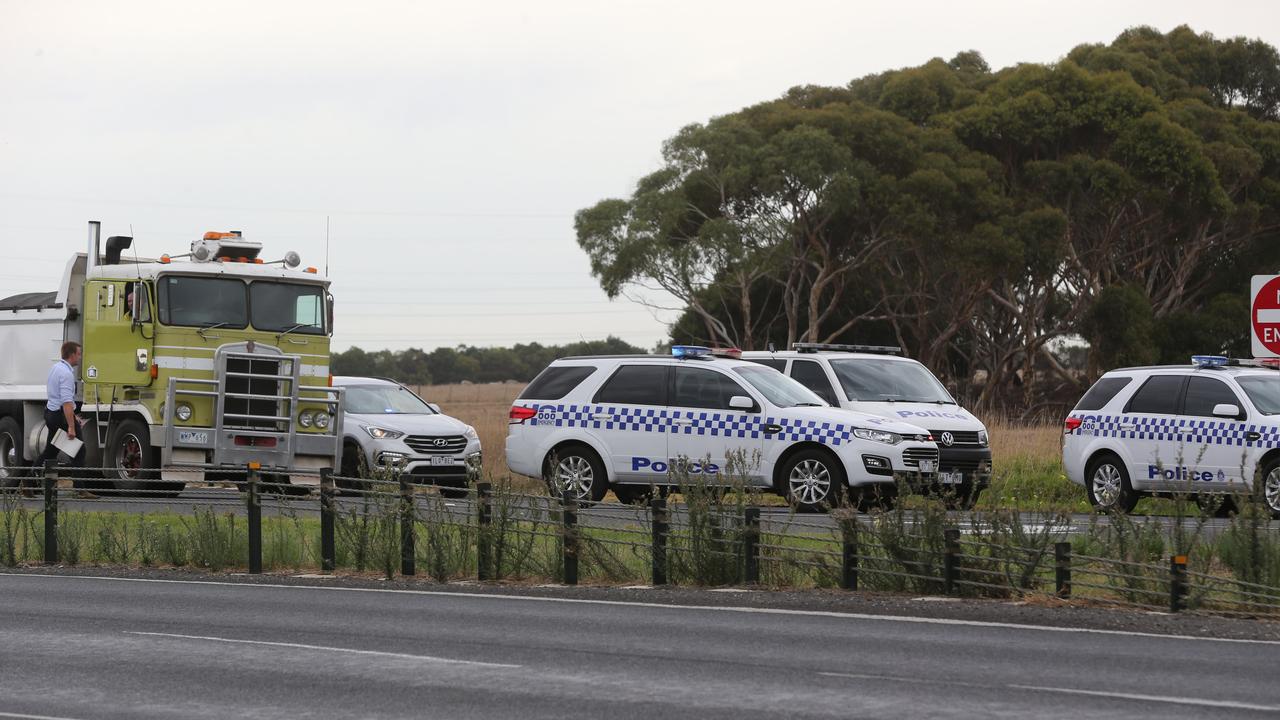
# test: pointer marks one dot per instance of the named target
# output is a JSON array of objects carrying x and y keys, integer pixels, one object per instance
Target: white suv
[
  {"x": 876, "y": 380},
  {"x": 1206, "y": 429},
  {"x": 589, "y": 424}
]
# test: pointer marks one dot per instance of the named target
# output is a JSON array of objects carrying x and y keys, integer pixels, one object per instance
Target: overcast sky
[{"x": 449, "y": 144}]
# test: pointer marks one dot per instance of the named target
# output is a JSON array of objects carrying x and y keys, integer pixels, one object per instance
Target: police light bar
[
  {"x": 733, "y": 352},
  {"x": 837, "y": 347},
  {"x": 690, "y": 351},
  {"x": 1269, "y": 363},
  {"x": 1210, "y": 361}
]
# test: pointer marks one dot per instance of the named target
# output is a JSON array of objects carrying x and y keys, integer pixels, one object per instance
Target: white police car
[
  {"x": 1208, "y": 429},
  {"x": 877, "y": 380},
  {"x": 589, "y": 424}
]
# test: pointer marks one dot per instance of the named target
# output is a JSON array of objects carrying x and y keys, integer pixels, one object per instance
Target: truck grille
[
  {"x": 263, "y": 411},
  {"x": 962, "y": 437},
  {"x": 436, "y": 444},
  {"x": 911, "y": 457}
]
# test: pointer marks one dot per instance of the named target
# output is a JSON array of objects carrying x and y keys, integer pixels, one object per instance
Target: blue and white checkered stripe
[
  {"x": 710, "y": 423},
  {"x": 1196, "y": 431}
]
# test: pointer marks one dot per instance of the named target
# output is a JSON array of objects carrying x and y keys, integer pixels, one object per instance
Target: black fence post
[
  {"x": 569, "y": 544},
  {"x": 408, "y": 544},
  {"x": 484, "y": 518},
  {"x": 328, "y": 511},
  {"x": 849, "y": 552},
  {"x": 1062, "y": 569},
  {"x": 51, "y": 511},
  {"x": 751, "y": 545},
  {"x": 254, "y": 510},
  {"x": 660, "y": 526},
  {"x": 1177, "y": 583},
  {"x": 950, "y": 559}
]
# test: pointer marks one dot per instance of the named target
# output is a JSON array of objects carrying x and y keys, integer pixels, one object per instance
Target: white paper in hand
[{"x": 67, "y": 444}]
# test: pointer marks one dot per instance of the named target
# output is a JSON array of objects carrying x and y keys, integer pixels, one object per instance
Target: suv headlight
[
  {"x": 879, "y": 436},
  {"x": 378, "y": 433},
  {"x": 470, "y": 433},
  {"x": 983, "y": 439}
]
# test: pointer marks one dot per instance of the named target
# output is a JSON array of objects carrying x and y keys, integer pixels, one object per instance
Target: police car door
[
  {"x": 705, "y": 431},
  {"x": 629, "y": 416},
  {"x": 1148, "y": 430},
  {"x": 1219, "y": 445}
]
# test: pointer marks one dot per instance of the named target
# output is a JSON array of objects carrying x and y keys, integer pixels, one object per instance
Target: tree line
[
  {"x": 467, "y": 363},
  {"x": 1017, "y": 230}
]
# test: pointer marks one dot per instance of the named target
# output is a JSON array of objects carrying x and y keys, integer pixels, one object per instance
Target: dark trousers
[{"x": 56, "y": 420}]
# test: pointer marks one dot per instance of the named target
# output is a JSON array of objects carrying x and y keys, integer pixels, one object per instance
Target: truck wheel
[
  {"x": 1107, "y": 483},
  {"x": 12, "y": 468},
  {"x": 131, "y": 465},
  {"x": 578, "y": 469},
  {"x": 813, "y": 481}
]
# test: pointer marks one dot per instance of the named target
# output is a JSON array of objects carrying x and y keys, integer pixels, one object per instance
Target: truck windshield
[
  {"x": 384, "y": 400},
  {"x": 778, "y": 388},
  {"x": 202, "y": 302},
  {"x": 287, "y": 307},
  {"x": 875, "y": 380}
]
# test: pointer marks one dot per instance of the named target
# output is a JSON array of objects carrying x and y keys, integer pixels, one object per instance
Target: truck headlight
[
  {"x": 378, "y": 433},
  {"x": 470, "y": 433},
  {"x": 304, "y": 418},
  {"x": 322, "y": 420},
  {"x": 879, "y": 436},
  {"x": 983, "y": 440},
  {"x": 183, "y": 411}
]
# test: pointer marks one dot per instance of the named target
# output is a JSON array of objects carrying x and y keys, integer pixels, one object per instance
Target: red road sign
[{"x": 1265, "y": 315}]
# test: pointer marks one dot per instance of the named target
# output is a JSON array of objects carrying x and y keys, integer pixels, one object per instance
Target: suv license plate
[
  {"x": 441, "y": 461},
  {"x": 928, "y": 466},
  {"x": 951, "y": 478}
]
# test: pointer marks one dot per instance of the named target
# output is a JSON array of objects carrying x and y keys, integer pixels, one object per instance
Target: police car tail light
[
  {"x": 689, "y": 351},
  {"x": 1072, "y": 424},
  {"x": 520, "y": 413}
]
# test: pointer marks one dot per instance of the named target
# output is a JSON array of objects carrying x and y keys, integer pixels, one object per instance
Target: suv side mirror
[
  {"x": 1226, "y": 410},
  {"x": 742, "y": 402}
]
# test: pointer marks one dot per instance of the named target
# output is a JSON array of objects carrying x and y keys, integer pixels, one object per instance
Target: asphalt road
[
  {"x": 607, "y": 514},
  {"x": 73, "y": 647}
]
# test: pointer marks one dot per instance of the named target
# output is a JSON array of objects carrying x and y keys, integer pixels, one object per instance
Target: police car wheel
[
  {"x": 961, "y": 497},
  {"x": 1215, "y": 505},
  {"x": 576, "y": 468},
  {"x": 11, "y": 465},
  {"x": 813, "y": 481},
  {"x": 1108, "y": 485},
  {"x": 1271, "y": 487}
]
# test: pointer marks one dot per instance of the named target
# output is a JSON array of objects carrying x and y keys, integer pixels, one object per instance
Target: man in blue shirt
[{"x": 60, "y": 409}]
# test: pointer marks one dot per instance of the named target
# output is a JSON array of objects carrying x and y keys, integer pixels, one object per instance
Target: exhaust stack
[{"x": 95, "y": 233}]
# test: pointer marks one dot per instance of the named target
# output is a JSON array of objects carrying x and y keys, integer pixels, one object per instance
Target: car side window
[
  {"x": 1102, "y": 392},
  {"x": 1157, "y": 396},
  {"x": 1204, "y": 393},
  {"x": 697, "y": 388},
  {"x": 635, "y": 385},
  {"x": 811, "y": 375}
]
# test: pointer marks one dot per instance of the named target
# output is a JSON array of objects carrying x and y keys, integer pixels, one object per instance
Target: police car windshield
[
  {"x": 778, "y": 388},
  {"x": 883, "y": 380},
  {"x": 1263, "y": 391},
  {"x": 384, "y": 400}
]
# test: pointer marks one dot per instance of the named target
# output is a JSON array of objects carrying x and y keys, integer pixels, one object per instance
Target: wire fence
[{"x": 392, "y": 526}]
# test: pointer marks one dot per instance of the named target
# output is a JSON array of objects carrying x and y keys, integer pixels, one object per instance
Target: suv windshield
[
  {"x": 877, "y": 380},
  {"x": 1263, "y": 391},
  {"x": 287, "y": 307},
  {"x": 203, "y": 302},
  {"x": 778, "y": 388},
  {"x": 384, "y": 400}
]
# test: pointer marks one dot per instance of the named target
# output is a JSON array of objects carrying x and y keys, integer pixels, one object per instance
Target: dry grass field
[{"x": 1027, "y": 458}]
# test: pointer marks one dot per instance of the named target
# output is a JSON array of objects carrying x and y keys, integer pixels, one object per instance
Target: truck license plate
[
  {"x": 952, "y": 478},
  {"x": 191, "y": 436},
  {"x": 441, "y": 461},
  {"x": 928, "y": 466}
]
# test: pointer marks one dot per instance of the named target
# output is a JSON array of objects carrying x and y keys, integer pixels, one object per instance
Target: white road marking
[
  {"x": 666, "y": 606},
  {"x": 23, "y": 716},
  {"x": 300, "y": 646},
  {"x": 1197, "y": 702}
]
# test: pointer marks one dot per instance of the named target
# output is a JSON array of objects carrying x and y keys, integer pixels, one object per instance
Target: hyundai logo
[
  {"x": 441, "y": 442},
  {"x": 948, "y": 439}
]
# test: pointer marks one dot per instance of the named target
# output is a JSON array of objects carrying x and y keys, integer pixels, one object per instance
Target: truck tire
[
  {"x": 12, "y": 467},
  {"x": 130, "y": 464}
]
